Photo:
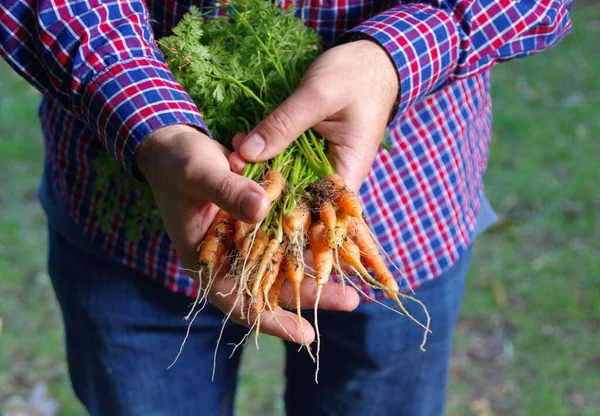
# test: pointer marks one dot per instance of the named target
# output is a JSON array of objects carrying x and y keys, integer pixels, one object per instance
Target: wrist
[
  {"x": 155, "y": 148},
  {"x": 389, "y": 74},
  {"x": 382, "y": 63}
]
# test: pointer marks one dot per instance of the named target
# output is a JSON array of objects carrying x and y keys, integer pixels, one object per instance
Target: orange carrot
[
  {"x": 369, "y": 253},
  {"x": 258, "y": 304},
  {"x": 272, "y": 274},
  {"x": 346, "y": 200},
  {"x": 253, "y": 245},
  {"x": 327, "y": 215},
  {"x": 322, "y": 254},
  {"x": 323, "y": 263},
  {"x": 265, "y": 262},
  {"x": 341, "y": 229},
  {"x": 258, "y": 243},
  {"x": 371, "y": 256},
  {"x": 297, "y": 221},
  {"x": 242, "y": 229},
  {"x": 261, "y": 240},
  {"x": 274, "y": 183},
  {"x": 295, "y": 274},
  {"x": 350, "y": 254},
  {"x": 273, "y": 298},
  {"x": 295, "y": 224},
  {"x": 216, "y": 240}
]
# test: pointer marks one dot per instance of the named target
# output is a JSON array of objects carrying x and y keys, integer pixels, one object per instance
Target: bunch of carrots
[
  {"x": 327, "y": 220},
  {"x": 238, "y": 68}
]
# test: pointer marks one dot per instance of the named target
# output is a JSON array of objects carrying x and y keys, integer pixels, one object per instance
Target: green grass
[
  {"x": 527, "y": 341},
  {"x": 31, "y": 343},
  {"x": 545, "y": 255}
]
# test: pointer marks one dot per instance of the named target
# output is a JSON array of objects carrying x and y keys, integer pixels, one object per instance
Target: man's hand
[
  {"x": 347, "y": 95},
  {"x": 190, "y": 177}
]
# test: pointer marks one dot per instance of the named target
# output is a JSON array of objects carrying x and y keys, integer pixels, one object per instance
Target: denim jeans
[{"x": 123, "y": 330}]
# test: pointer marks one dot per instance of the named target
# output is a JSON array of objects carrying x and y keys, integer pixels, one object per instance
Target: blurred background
[{"x": 528, "y": 338}]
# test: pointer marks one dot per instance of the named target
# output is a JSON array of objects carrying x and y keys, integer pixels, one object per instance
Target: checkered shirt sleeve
[
  {"x": 435, "y": 42},
  {"x": 100, "y": 61}
]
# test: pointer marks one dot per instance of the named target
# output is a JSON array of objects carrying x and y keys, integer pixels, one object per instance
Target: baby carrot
[
  {"x": 272, "y": 274},
  {"x": 346, "y": 200},
  {"x": 274, "y": 183},
  {"x": 216, "y": 240},
  {"x": 327, "y": 215},
  {"x": 323, "y": 263}
]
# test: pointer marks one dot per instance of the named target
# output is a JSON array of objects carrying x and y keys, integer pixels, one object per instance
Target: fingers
[
  {"x": 183, "y": 163},
  {"x": 243, "y": 198},
  {"x": 284, "y": 324},
  {"x": 299, "y": 112},
  {"x": 334, "y": 297},
  {"x": 239, "y": 196},
  {"x": 279, "y": 323},
  {"x": 237, "y": 140},
  {"x": 236, "y": 162}
]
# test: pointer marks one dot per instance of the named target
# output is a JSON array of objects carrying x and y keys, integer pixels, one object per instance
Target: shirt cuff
[
  {"x": 131, "y": 99},
  {"x": 424, "y": 43}
]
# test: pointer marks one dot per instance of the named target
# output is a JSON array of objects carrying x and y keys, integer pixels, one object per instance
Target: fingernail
[
  {"x": 253, "y": 146},
  {"x": 251, "y": 204}
]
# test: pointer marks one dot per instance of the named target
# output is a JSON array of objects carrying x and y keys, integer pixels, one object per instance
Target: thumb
[
  {"x": 243, "y": 198},
  {"x": 299, "y": 112}
]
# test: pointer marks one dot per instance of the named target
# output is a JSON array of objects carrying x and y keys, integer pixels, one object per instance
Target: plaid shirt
[{"x": 106, "y": 87}]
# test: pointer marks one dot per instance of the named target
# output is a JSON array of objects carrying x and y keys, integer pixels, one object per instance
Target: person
[{"x": 417, "y": 71}]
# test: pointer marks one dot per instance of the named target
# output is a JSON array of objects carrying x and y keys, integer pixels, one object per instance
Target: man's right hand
[{"x": 191, "y": 179}]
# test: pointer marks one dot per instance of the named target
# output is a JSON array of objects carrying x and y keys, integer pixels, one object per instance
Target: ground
[{"x": 527, "y": 340}]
